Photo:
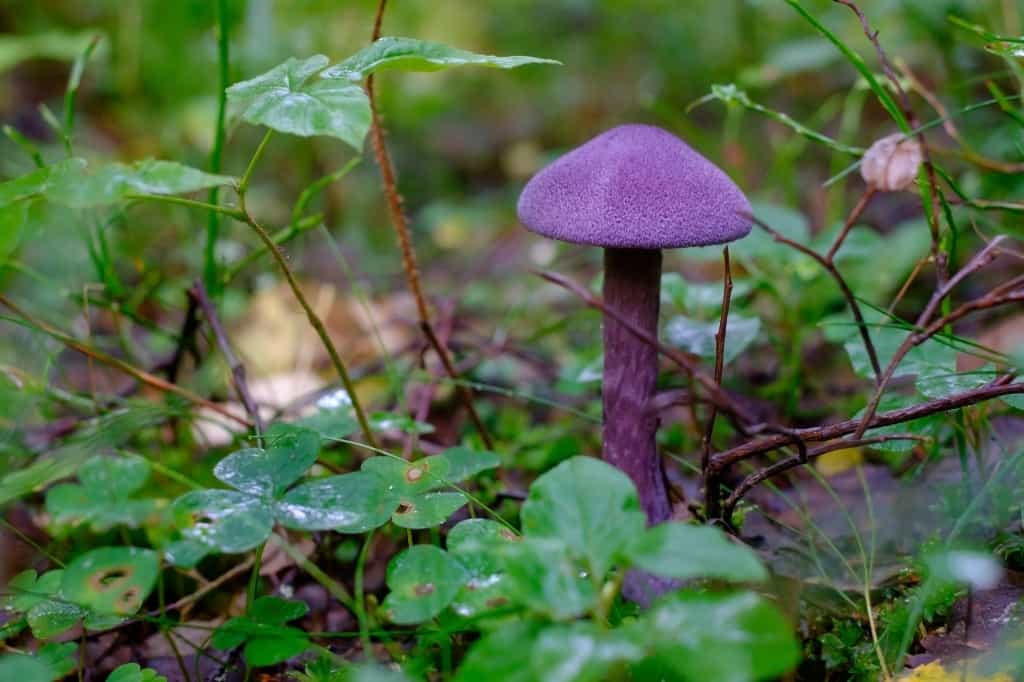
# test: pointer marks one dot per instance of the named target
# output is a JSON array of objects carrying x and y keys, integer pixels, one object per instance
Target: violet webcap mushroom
[{"x": 634, "y": 190}]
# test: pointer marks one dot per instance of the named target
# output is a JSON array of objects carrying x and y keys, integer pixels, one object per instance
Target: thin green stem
[
  {"x": 361, "y": 615},
  {"x": 336, "y": 589},
  {"x": 210, "y": 265},
  {"x": 30, "y": 542},
  {"x": 243, "y": 184},
  {"x": 254, "y": 577},
  {"x": 281, "y": 237},
  {"x": 191, "y": 203}
]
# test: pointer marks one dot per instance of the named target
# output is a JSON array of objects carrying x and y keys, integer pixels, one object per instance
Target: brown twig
[
  {"x": 140, "y": 375},
  {"x": 995, "y": 389},
  {"x": 711, "y": 493},
  {"x": 409, "y": 264},
  {"x": 833, "y": 271},
  {"x": 751, "y": 481},
  {"x": 201, "y": 297},
  {"x": 851, "y": 219},
  {"x": 186, "y": 341}
]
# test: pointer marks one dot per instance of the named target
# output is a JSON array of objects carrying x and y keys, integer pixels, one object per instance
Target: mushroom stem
[{"x": 632, "y": 283}]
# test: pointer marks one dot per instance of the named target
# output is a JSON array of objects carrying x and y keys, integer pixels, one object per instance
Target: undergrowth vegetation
[{"x": 287, "y": 393}]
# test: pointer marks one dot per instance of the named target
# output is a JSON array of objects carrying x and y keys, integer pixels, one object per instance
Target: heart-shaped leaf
[
  {"x": 290, "y": 451},
  {"x": 350, "y": 503},
  {"x": 111, "y": 580},
  {"x": 410, "y": 54},
  {"x": 288, "y": 99},
  {"x": 590, "y": 506},
  {"x": 676, "y": 550},
  {"x": 223, "y": 520},
  {"x": 427, "y": 510},
  {"x": 423, "y": 580}
]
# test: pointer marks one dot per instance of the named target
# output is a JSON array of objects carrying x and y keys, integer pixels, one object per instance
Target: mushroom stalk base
[{"x": 632, "y": 283}]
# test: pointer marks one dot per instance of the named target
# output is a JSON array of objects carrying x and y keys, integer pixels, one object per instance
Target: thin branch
[
  {"x": 409, "y": 265},
  {"x": 199, "y": 294},
  {"x": 711, "y": 492},
  {"x": 851, "y": 219},
  {"x": 751, "y": 481},
  {"x": 832, "y": 270},
  {"x": 995, "y": 389},
  {"x": 136, "y": 373}
]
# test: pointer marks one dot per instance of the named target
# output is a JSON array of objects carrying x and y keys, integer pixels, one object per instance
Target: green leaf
[
  {"x": 373, "y": 673},
  {"x": 111, "y": 580},
  {"x": 544, "y": 577},
  {"x": 289, "y": 100},
  {"x": 698, "y": 338},
  {"x": 964, "y": 567},
  {"x": 501, "y": 655},
  {"x": 223, "y": 520},
  {"x": 40, "y": 473},
  {"x": 115, "y": 182},
  {"x": 286, "y": 643},
  {"x": 333, "y": 419},
  {"x": 13, "y": 218},
  {"x": 290, "y": 452},
  {"x": 27, "y": 589},
  {"x": 25, "y": 669},
  {"x": 410, "y": 479},
  {"x": 350, "y": 503},
  {"x": 61, "y": 657},
  {"x": 53, "y": 45},
  {"x": 423, "y": 580},
  {"x": 590, "y": 506},
  {"x": 727, "y": 638},
  {"x": 277, "y": 611},
  {"x": 409, "y": 54},
  {"x": 477, "y": 544},
  {"x": 389, "y": 421},
  {"x": 132, "y": 672},
  {"x": 50, "y": 618},
  {"x": 580, "y": 652},
  {"x": 427, "y": 510},
  {"x": 676, "y": 550},
  {"x": 102, "y": 498},
  {"x": 464, "y": 463}
]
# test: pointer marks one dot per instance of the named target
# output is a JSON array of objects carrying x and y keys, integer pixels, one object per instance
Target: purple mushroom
[{"x": 634, "y": 190}]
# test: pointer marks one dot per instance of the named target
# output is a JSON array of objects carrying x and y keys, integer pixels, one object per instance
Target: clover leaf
[
  {"x": 102, "y": 498},
  {"x": 267, "y": 640}
]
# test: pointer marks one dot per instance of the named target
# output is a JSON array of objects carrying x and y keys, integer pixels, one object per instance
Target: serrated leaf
[
  {"x": 111, "y": 580},
  {"x": 290, "y": 452},
  {"x": 676, "y": 550},
  {"x": 427, "y": 510},
  {"x": 350, "y": 503},
  {"x": 423, "y": 581},
  {"x": 115, "y": 182},
  {"x": 223, "y": 520},
  {"x": 410, "y": 54},
  {"x": 289, "y": 100},
  {"x": 590, "y": 506}
]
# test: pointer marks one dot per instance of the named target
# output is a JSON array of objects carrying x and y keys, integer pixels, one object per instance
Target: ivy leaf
[
  {"x": 410, "y": 54},
  {"x": 590, "y": 506},
  {"x": 111, "y": 580},
  {"x": 223, "y": 520},
  {"x": 115, "y": 182},
  {"x": 290, "y": 452},
  {"x": 676, "y": 550},
  {"x": 289, "y": 100},
  {"x": 423, "y": 580},
  {"x": 728, "y": 638},
  {"x": 350, "y": 503}
]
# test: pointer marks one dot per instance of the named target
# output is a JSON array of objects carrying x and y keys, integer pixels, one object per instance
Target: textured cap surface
[{"x": 635, "y": 186}]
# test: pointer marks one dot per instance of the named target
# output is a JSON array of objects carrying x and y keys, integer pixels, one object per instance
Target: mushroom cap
[{"x": 635, "y": 187}]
